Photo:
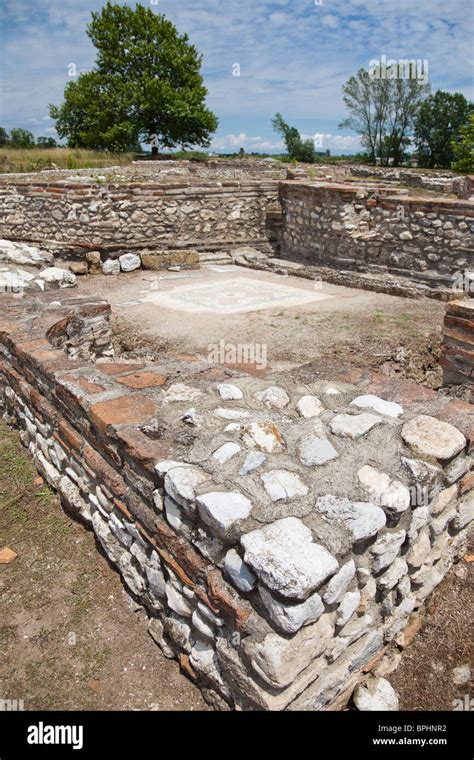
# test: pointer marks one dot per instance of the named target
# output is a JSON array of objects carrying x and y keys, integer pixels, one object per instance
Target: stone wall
[
  {"x": 436, "y": 181},
  {"x": 278, "y": 534},
  {"x": 457, "y": 348},
  {"x": 118, "y": 218},
  {"x": 426, "y": 240}
]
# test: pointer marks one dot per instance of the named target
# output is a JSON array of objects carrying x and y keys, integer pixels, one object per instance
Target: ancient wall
[
  {"x": 118, "y": 218},
  {"x": 437, "y": 181},
  {"x": 457, "y": 348},
  {"x": 428, "y": 240},
  {"x": 278, "y": 535}
]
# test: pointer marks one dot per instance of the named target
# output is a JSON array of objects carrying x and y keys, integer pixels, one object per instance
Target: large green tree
[
  {"x": 298, "y": 149},
  {"x": 438, "y": 122},
  {"x": 382, "y": 111},
  {"x": 146, "y": 82},
  {"x": 463, "y": 148}
]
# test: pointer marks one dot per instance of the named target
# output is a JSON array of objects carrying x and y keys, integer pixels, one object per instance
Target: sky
[{"x": 292, "y": 56}]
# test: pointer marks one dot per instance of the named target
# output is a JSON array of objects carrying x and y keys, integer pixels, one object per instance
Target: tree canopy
[
  {"x": 298, "y": 149},
  {"x": 438, "y": 122},
  {"x": 463, "y": 148},
  {"x": 382, "y": 111},
  {"x": 146, "y": 81},
  {"x": 21, "y": 138}
]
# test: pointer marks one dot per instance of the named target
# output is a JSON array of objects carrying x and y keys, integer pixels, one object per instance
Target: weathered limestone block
[
  {"x": 390, "y": 494},
  {"x": 386, "y": 548},
  {"x": 430, "y": 437},
  {"x": 278, "y": 661},
  {"x": 375, "y": 693},
  {"x": 285, "y": 558},
  {"x": 353, "y": 425},
  {"x": 388, "y": 408},
  {"x": 221, "y": 511},
  {"x": 129, "y": 262},
  {"x": 186, "y": 259},
  {"x": 289, "y": 618},
  {"x": 339, "y": 583},
  {"x": 363, "y": 519}
]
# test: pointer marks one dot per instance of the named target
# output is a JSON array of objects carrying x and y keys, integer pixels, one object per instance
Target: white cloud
[
  {"x": 294, "y": 55},
  {"x": 232, "y": 142}
]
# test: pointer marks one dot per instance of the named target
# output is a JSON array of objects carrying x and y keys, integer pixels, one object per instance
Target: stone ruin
[{"x": 281, "y": 531}]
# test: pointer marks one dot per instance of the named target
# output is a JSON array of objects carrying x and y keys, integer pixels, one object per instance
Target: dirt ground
[
  {"x": 398, "y": 336},
  {"x": 72, "y": 639},
  {"x": 424, "y": 679}
]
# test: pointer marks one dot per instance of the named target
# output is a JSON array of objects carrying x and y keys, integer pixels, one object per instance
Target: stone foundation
[
  {"x": 426, "y": 240},
  {"x": 377, "y": 231},
  {"x": 436, "y": 181},
  {"x": 93, "y": 224},
  {"x": 279, "y": 534}
]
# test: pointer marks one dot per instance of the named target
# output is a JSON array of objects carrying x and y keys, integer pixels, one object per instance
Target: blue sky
[{"x": 294, "y": 56}]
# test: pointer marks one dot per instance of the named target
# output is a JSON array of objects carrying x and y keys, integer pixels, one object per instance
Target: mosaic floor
[{"x": 235, "y": 295}]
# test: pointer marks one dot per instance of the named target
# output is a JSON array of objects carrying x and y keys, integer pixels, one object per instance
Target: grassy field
[{"x": 35, "y": 159}]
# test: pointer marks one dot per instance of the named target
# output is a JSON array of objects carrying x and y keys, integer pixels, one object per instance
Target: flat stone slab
[
  {"x": 389, "y": 408},
  {"x": 286, "y": 559},
  {"x": 363, "y": 519},
  {"x": 314, "y": 450},
  {"x": 353, "y": 425},
  {"x": 282, "y": 484},
  {"x": 428, "y": 436},
  {"x": 221, "y": 510}
]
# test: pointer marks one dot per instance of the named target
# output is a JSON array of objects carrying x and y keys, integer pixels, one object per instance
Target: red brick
[
  {"x": 227, "y": 600},
  {"x": 404, "y": 392},
  {"x": 187, "y": 358},
  {"x": 74, "y": 439},
  {"x": 124, "y": 410},
  {"x": 104, "y": 471},
  {"x": 123, "y": 509},
  {"x": 33, "y": 345},
  {"x": 111, "y": 368},
  {"x": 84, "y": 384},
  {"x": 45, "y": 355},
  {"x": 185, "y": 665},
  {"x": 459, "y": 336},
  {"x": 142, "y": 380},
  {"x": 141, "y": 449}
]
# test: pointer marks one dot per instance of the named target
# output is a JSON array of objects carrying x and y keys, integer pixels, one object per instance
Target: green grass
[{"x": 18, "y": 469}]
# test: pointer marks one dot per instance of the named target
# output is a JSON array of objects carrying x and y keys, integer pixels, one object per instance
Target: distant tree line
[
  {"x": 22, "y": 138},
  {"x": 393, "y": 115}
]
